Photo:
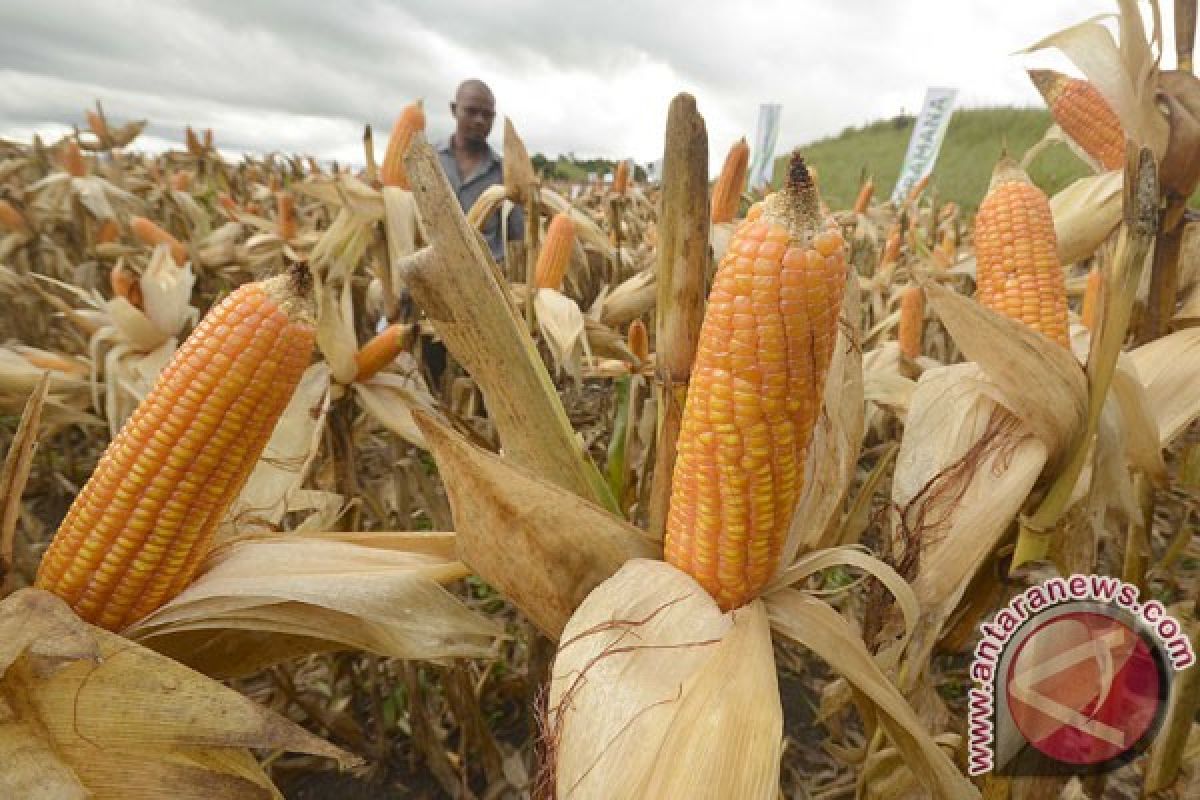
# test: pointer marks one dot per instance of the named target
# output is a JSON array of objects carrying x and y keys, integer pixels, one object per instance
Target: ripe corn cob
[
  {"x": 148, "y": 232},
  {"x": 286, "y": 206},
  {"x": 727, "y": 193},
  {"x": 11, "y": 218},
  {"x": 137, "y": 533},
  {"x": 755, "y": 394},
  {"x": 1091, "y": 298},
  {"x": 1017, "y": 269},
  {"x": 863, "y": 201},
  {"x": 72, "y": 159},
  {"x": 918, "y": 188},
  {"x": 380, "y": 351},
  {"x": 621, "y": 178},
  {"x": 556, "y": 252},
  {"x": 98, "y": 125},
  {"x": 1084, "y": 115},
  {"x": 108, "y": 231},
  {"x": 891, "y": 250},
  {"x": 125, "y": 284},
  {"x": 410, "y": 122},
  {"x": 639, "y": 340},
  {"x": 912, "y": 321}
]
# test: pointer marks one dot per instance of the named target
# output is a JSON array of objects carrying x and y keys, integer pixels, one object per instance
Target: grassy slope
[{"x": 972, "y": 145}]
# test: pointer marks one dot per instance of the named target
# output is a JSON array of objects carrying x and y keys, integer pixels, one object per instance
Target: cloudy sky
[{"x": 591, "y": 77}]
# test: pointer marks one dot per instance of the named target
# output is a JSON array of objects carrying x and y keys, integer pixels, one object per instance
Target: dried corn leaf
[
  {"x": 127, "y": 722},
  {"x": 518, "y": 169},
  {"x": 391, "y": 400},
  {"x": 813, "y": 624},
  {"x": 1168, "y": 369},
  {"x": 541, "y": 546},
  {"x": 561, "y": 323},
  {"x": 335, "y": 328},
  {"x": 964, "y": 470},
  {"x": 1143, "y": 446},
  {"x": 628, "y": 301},
  {"x": 261, "y": 600},
  {"x": 656, "y": 693},
  {"x": 15, "y": 473}
]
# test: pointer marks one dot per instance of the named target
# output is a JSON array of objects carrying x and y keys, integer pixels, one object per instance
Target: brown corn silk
[
  {"x": 755, "y": 393},
  {"x": 142, "y": 525}
]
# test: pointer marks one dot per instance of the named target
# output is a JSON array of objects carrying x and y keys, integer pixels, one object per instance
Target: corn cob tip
[
  {"x": 1007, "y": 170},
  {"x": 293, "y": 291},
  {"x": 1048, "y": 82},
  {"x": 797, "y": 207}
]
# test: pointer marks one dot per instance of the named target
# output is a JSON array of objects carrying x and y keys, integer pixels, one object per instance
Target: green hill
[{"x": 972, "y": 145}]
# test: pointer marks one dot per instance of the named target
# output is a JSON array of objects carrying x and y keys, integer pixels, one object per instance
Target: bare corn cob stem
[
  {"x": 912, "y": 320},
  {"x": 137, "y": 533},
  {"x": 1084, "y": 115},
  {"x": 1017, "y": 266},
  {"x": 727, "y": 193},
  {"x": 756, "y": 390}
]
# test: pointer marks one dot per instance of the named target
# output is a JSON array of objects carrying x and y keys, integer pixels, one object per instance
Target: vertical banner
[
  {"x": 762, "y": 152},
  {"x": 926, "y": 140}
]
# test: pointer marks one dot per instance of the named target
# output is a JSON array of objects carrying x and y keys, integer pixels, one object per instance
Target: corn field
[{"x": 702, "y": 493}]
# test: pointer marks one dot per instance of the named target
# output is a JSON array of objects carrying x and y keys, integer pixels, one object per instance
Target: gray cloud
[{"x": 593, "y": 78}]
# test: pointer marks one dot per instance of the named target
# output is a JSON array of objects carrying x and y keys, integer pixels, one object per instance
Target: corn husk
[
  {"x": 91, "y": 714},
  {"x": 656, "y": 693},
  {"x": 1167, "y": 369},
  {"x": 263, "y": 600},
  {"x": 1085, "y": 215}
]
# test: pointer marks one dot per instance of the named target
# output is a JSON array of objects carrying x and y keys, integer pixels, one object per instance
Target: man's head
[{"x": 474, "y": 110}]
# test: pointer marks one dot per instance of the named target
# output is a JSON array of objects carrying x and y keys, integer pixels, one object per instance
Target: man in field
[{"x": 472, "y": 165}]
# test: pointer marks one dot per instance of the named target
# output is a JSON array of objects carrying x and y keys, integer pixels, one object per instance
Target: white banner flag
[
  {"x": 762, "y": 152},
  {"x": 926, "y": 140}
]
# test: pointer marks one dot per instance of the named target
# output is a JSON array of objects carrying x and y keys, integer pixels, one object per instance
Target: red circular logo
[{"x": 1084, "y": 688}]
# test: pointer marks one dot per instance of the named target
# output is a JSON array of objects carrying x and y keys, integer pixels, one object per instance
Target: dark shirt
[{"x": 489, "y": 172}]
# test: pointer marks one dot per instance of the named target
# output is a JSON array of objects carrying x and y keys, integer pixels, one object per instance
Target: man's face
[{"x": 474, "y": 112}]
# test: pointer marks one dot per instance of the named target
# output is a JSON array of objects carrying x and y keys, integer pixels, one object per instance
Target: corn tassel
[
  {"x": 143, "y": 524},
  {"x": 556, "y": 252},
  {"x": 381, "y": 351},
  {"x": 755, "y": 394},
  {"x": 410, "y": 122},
  {"x": 1084, "y": 115},
  {"x": 1017, "y": 268},
  {"x": 149, "y": 233},
  {"x": 912, "y": 321},
  {"x": 727, "y": 193}
]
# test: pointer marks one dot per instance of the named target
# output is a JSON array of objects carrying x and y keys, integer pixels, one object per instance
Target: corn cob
[
  {"x": 863, "y": 201},
  {"x": 727, "y": 193},
  {"x": 639, "y": 340},
  {"x": 181, "y": 181},
  {"x": 72, "y": 159},
  {"x": 1091, "y": 299},
  {"x": 108, "y": 231},
  {"x": 149, "y": 233},
  {"x": 891, "y": 250},
  {"x": 286, "y": 206},
  {"x": 11, "y": 218},
  {"x": 556, "y": 252},
  {"x": 137, "y": 533},
  {"x": 918, "y": 188},
  {"x": 755, "y": 394},
  {"x": 1017, "y": 269},
  {"x": 1084, "y": 115},
  {"x": 410, "y": 122},
  {"x": 192, "y": 143},
  {"x": 98, "y": 125},
  {"x": 912, "y": 320},
  {"x": 380, "y": 351},
  {"x": 125, "y": 284},
  {"x": 621, "y": 178}
]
